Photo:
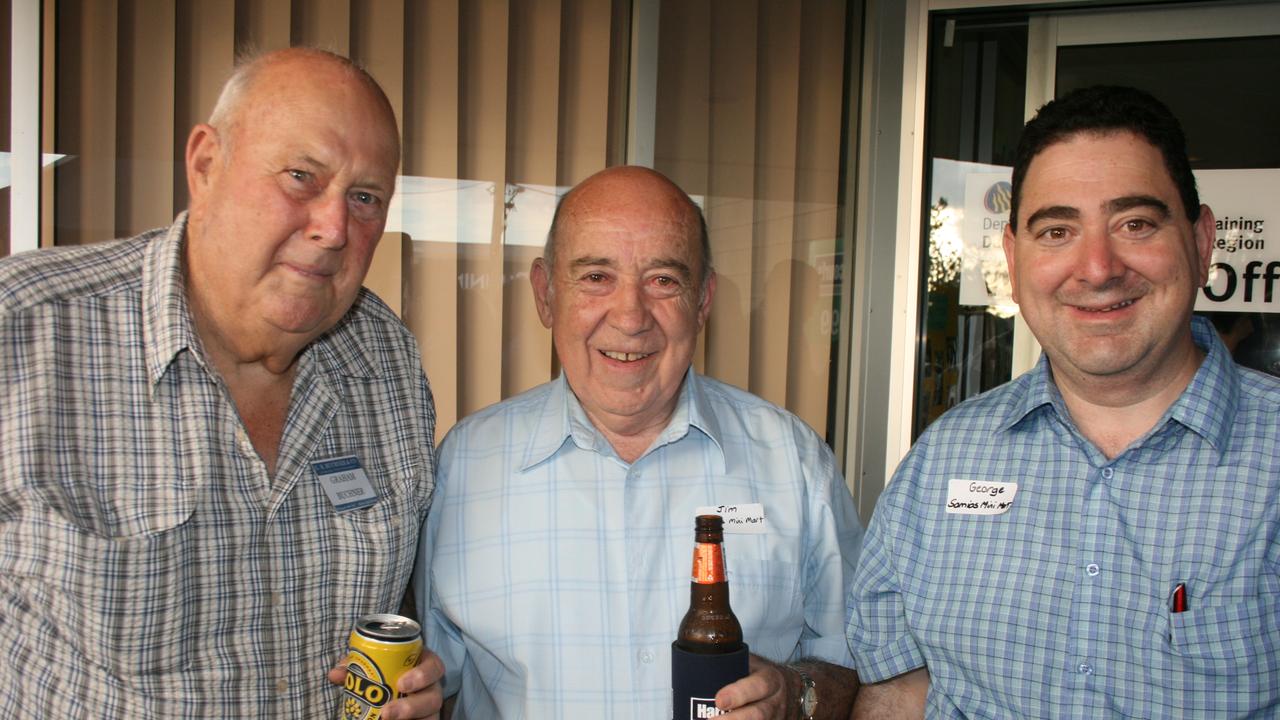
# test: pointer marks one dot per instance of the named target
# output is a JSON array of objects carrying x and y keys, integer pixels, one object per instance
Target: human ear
[
  {"x": 540, "y": 279},
  {"x": 1204, "y": 232},
  {"x": 1008, "y": 240},
  {"x": 203, "y": 160}
]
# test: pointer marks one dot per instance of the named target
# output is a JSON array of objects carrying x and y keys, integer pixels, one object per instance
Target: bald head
[
  {"x": 254, "y": 73},
  {"x": 631, "y": 186}
]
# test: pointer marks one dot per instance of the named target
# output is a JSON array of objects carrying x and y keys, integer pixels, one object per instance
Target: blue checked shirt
[
  {"x": 559, "y": 573},
  {"x": 1060, "y": 607},
  {"x": 150, "y": 567}
]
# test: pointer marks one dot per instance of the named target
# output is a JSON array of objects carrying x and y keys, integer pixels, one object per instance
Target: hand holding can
[{"x": 382, "y": 648}]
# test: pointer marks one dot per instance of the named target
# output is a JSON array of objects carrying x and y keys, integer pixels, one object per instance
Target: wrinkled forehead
[
  {"x": 344, "y": 115},
  {"x": 630, "y": 237}
]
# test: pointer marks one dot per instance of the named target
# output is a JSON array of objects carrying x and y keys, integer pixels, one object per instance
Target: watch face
[{"x": 808, "y": 701}]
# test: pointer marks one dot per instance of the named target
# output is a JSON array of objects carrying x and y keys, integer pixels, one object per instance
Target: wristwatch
[{"x": 808, "y": 696}]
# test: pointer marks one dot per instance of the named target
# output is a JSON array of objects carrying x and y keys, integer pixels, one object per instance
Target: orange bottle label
[{"x": 708, "y": 563}]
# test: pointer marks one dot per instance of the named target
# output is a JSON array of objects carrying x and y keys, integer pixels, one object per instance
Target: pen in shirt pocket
[
  {"x": 1178, "y": 600},
  {"x": 1177, "y": 604}
]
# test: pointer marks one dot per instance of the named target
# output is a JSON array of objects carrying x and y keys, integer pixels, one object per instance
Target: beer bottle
[{"x": 708, "y": 652}]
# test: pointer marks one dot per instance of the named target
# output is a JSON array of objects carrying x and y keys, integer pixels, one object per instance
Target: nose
[
  {"x": 1098, "y": 262},
  {"x": 630, "y": 312},
  {"x": 327, "y": 224}
]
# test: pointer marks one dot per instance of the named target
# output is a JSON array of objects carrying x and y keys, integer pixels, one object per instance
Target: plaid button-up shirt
[
  {"x": 150, "y": 566},
  {"x": 1061, "y": 606}
]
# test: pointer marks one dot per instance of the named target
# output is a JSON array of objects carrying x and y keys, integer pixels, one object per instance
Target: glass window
[
  {"x": 749, "y": 114},
  {"x": 503, "y": 105},
  {"x": 976, "y": 93}
]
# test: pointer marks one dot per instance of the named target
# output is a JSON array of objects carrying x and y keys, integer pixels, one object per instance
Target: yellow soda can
[{"x": 383, "y": 647}]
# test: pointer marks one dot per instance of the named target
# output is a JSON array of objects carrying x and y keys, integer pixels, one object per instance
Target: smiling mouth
[
  {"x": 1118, "y": 306},
  {"x": 624, "y": 356}
]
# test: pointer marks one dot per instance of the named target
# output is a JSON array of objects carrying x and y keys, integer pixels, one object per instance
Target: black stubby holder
[{"x": 697, "y": 677}]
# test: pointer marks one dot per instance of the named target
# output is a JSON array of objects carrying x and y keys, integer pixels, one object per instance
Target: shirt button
[
  {"x": 1085, "y": 668},
  {"x": 281, "y": 686},
  {"x": 1092, "y": 569},
  {"x": 1107, "y": 473},
  {"x": 646, "y": 656},
  {"x": 274, "y": 599}
]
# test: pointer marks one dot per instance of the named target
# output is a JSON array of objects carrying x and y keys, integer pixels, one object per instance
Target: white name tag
[
  {"x": 980, "y": 497},
  {"x": 345, "y": 483},
  {"x": 744, "y": 518}
]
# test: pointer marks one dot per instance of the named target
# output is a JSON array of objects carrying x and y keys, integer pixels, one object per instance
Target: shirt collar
[
  {"x": 1207, "y": 407},
  {"x": 167, "y": 328},
  {"x": 345, "y": 348},
  {"x": 1039, "y": 392},
  {"x": 562, "y": 419}
]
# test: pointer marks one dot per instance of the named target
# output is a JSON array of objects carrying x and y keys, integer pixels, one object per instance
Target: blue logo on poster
[{"x": 996, "y": 200}]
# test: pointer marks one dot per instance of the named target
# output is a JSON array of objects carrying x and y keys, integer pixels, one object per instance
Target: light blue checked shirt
[
  {"x": 1060, "y": 606},
  {"x": 559, "y": 573},
  {"x": 150, "y": 566}
]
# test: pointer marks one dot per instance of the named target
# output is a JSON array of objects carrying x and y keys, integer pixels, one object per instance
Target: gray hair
[{"x": 250, "y": 63}]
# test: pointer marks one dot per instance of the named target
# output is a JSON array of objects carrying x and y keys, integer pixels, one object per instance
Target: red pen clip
[{"x": 1179, "y": 603}]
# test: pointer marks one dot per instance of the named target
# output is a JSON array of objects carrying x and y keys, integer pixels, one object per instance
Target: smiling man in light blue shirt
[{"x": 560, "y": 538}]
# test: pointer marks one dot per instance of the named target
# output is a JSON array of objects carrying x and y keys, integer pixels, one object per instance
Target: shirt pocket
[
  {"x": 128, "y": 603},
  {"x": 375, "y": 546},
  {"x": 1233, "y": 641},
  {"x": 765, "y": 597}
]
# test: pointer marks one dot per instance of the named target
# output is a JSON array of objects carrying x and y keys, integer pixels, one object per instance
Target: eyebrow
[
  {"x": 1053, "y": 212},
  {"x": 314, "y": 162},
  {"x": 369, "y": 183},
  {"x": 588, "y": 261},
  {"x": 1130, "y": 202}
]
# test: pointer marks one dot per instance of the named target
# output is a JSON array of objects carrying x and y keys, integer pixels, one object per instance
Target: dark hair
[{"x": 1106, "y": 109}]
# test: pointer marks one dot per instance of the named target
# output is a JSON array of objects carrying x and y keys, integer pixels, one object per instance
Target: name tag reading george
[
  {"x": 980, "y": 497},
  {"x": 345, "y": 482},
  {"x": 743, "y": 518}
]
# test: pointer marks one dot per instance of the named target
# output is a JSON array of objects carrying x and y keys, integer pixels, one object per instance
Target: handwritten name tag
[
  {"x": 743, "y": 518},
  {"x": 980, "y": 497}
]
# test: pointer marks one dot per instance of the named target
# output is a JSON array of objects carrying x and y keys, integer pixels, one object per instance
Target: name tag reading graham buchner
[
  {"x": 345, "y": 482},
  {"x": 980, "y": 497}
]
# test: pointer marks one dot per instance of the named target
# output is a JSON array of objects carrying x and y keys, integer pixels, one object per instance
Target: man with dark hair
[
  {"x": 1099, "y": 537},
  {"x": 558, "y": 544},
  {"x": 215, "y": 446}
]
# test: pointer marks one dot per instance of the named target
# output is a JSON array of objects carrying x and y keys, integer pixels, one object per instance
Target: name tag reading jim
[
  {"x": 345, "y": 482},
  {"x": 744, "y": 518},
  {"x": 980, "y": 497}
]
